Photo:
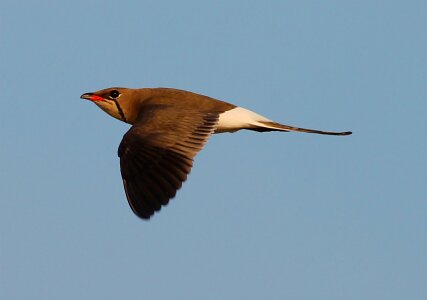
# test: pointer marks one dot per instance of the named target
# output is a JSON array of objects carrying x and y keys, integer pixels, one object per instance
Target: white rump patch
[{"x": 239, "y": 118}]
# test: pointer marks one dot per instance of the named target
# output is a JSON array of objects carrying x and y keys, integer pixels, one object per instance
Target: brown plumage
[{"x": 169, "y": 128}]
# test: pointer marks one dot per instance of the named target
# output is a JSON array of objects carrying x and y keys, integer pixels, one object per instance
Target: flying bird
[{"x": 169, "y": 127}]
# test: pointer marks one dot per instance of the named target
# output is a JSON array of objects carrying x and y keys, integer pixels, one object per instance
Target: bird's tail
[{"x": 263, "y": 126}]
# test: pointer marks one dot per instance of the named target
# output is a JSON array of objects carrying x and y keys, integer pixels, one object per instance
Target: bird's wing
[{"x": 156, "y": 154}]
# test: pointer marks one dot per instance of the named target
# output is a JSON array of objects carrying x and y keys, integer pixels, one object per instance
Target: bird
[{"x": 168, "y": 128}]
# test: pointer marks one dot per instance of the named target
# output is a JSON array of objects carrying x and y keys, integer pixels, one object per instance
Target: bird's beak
[{"x": 92, "y": 97}]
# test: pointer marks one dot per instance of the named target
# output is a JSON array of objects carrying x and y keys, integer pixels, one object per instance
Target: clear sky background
[{"x": 262, "y": 216}]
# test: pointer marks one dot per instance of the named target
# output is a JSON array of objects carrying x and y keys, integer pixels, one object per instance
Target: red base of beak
[{"x": 92, "y": 97}]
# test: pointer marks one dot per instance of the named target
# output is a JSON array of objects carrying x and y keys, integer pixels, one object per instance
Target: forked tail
[{"x": 273, "y": 126}]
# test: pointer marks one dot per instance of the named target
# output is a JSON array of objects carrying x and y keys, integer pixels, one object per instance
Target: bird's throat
[
  {"x": 112, "y": 108},
  {"x": 119, "y": 109}
]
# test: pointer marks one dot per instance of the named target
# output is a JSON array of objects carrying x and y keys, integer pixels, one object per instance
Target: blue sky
[{"x": 262, "y": 216}]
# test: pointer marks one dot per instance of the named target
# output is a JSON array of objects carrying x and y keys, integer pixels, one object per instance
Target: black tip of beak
[{"x": 86, "y": 96}]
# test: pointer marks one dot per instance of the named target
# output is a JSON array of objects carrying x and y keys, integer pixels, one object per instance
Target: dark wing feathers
[{"x": 156, "y": 155}]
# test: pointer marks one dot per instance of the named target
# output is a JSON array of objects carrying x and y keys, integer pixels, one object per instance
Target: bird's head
[{"x": 117, "y": 102}]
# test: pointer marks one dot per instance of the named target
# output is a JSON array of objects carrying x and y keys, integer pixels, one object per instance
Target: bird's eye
[{"x": 114, "y": 94}]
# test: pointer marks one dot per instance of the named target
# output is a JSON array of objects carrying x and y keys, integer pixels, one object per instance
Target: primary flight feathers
[{"x": 169, "y": 127}]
